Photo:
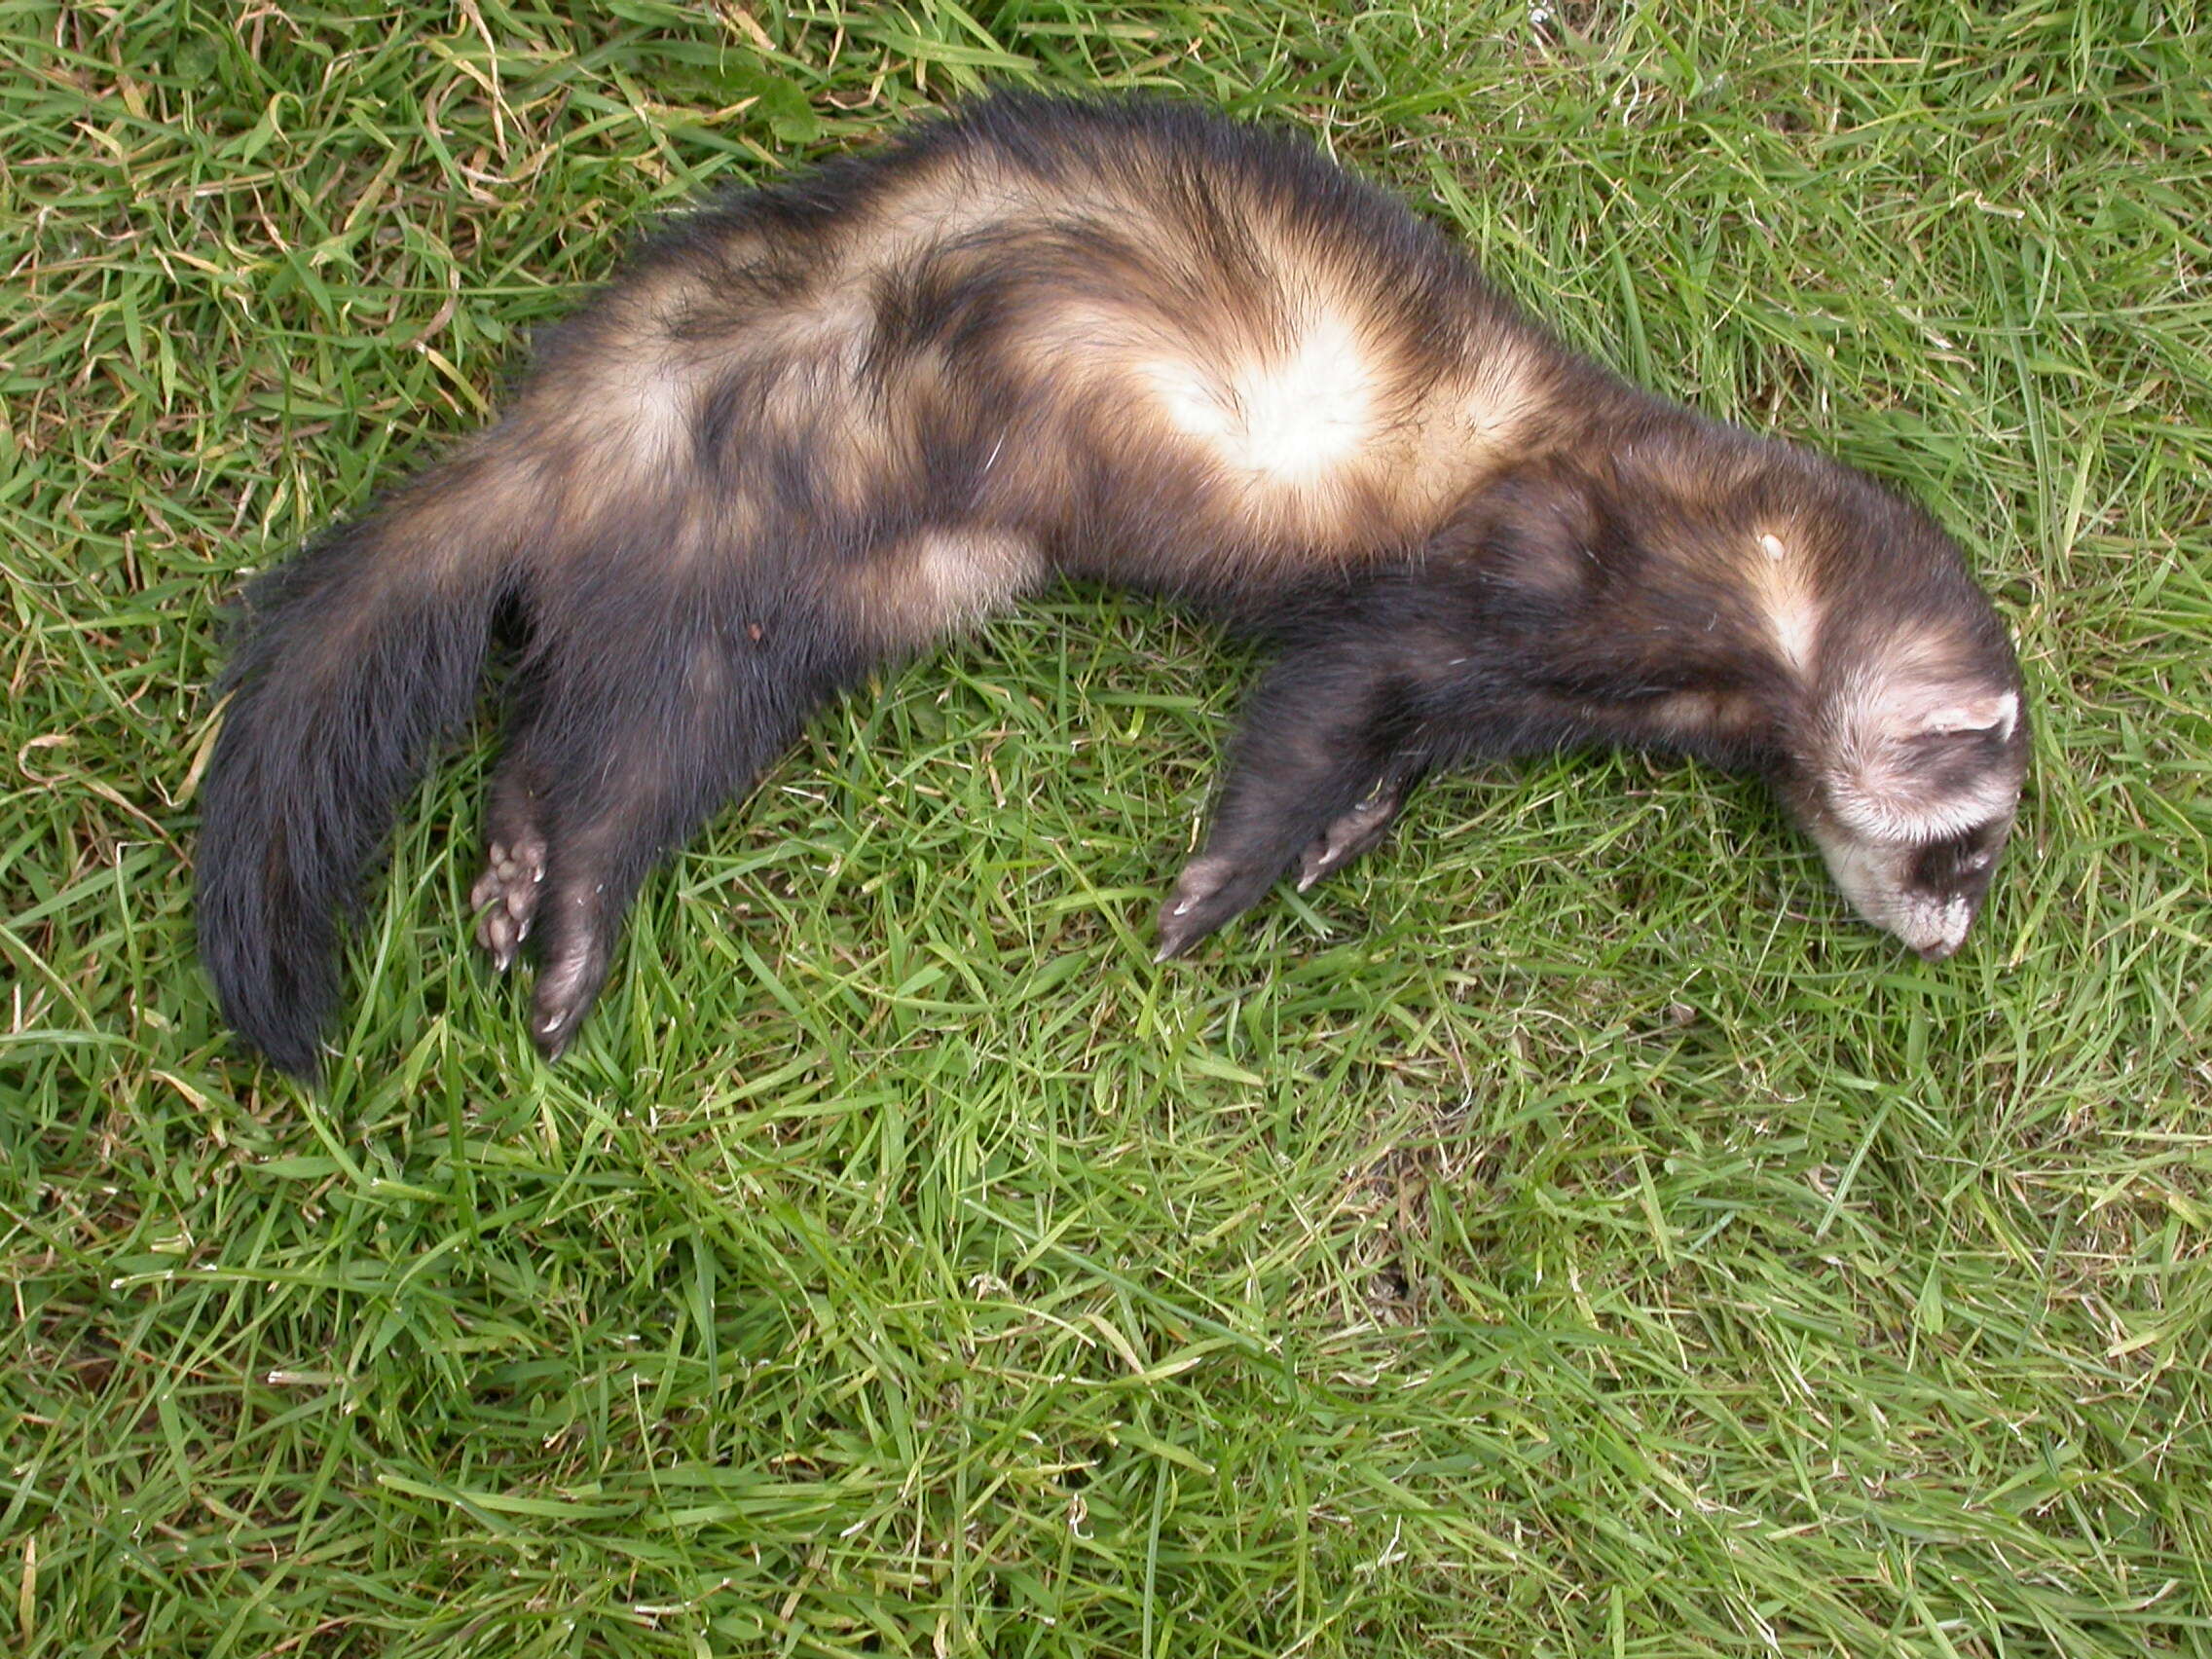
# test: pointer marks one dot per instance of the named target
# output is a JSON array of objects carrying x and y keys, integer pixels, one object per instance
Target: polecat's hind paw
[{"x": 504, "y": 899}]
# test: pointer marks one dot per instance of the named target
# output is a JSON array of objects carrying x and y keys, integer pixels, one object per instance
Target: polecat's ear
[
  {"x": 1915, "y": 763},
  {"x": 1998, "y": 714}
]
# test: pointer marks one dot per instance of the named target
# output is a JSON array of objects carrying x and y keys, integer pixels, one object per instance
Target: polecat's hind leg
[{"x": 629, "y": 742}]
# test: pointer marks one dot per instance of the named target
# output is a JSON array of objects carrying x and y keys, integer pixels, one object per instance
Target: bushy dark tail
[{"x": 355, "y": 658}]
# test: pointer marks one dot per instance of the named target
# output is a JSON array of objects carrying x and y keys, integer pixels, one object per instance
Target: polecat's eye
[
  {"x": 1944, "y": 865},
  {"x": 1940, "y": 863}
]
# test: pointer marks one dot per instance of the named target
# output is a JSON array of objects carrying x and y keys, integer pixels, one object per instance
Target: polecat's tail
[{"x": 354, "y": 658}]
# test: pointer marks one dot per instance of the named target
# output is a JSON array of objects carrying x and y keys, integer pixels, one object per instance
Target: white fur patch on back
[{"x": 1291, "y": 419}]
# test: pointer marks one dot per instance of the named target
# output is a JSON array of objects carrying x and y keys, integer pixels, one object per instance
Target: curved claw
[{"x": 568, "y": 984}]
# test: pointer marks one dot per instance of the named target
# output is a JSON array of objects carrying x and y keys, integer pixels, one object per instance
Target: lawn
[{"x": 1566, "y": 1233}]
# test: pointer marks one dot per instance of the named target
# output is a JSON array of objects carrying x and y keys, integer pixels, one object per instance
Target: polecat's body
[{"x": 831, "y": 421}]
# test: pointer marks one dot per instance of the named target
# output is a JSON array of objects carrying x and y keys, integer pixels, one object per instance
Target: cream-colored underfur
[
  {"x": 1786, "y": 600},
  {"x": 942, "y": 580},
  {"x": 1432, "y": 447}
]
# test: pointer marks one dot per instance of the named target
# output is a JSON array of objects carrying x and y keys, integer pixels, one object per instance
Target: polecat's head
[
  {"x": 1912, "y": 803},
  {"x": 1890, "y": 694},
  {"x": 1910, "y": 744}
]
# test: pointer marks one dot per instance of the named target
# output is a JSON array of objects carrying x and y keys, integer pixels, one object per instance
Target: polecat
[{"x": 828, "y": 422}]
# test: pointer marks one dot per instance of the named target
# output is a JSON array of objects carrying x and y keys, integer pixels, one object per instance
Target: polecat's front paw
[
  {"x": 1348, "y": 837},
  {"x": 1214, "y": 889}
]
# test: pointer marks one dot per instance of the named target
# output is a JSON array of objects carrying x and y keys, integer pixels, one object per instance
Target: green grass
[{"x": 1564, "y": 1234}]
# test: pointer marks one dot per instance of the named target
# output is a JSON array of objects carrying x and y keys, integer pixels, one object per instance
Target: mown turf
[{"x": 1567, "y": 1233}]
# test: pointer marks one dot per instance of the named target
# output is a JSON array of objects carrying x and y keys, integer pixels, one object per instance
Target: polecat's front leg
[{"x": 1322, "y": 764}]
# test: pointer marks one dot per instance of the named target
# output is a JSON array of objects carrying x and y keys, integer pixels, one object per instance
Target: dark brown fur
[{"x": 831, "y": 421}]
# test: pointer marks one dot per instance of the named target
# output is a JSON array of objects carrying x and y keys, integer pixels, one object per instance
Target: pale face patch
[
  {"x": 1946, "y": 923},
  {"x": 1899, "y": 822},
  {"x": 1913, "y": 791},
  {"x": 1290, "y": 421},
  {"x": 1875, "y": 879},
  {"x": 1871, "y": 877}
]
